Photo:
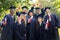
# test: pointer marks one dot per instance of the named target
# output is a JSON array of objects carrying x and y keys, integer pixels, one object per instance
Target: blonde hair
[{"x": 24, "y": 18}]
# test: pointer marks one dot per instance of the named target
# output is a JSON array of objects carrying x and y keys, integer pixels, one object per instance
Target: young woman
[
  {"x": 40, "y": 28},
  {"x": 31, "y": 25},
  {"x": 20, "y": 28}
]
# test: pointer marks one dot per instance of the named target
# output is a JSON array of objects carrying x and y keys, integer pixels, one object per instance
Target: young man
[
  {"x": 51, "y": 22},
  {"x": 38, "y": 11},
  {"x": 8, "y": 25}
]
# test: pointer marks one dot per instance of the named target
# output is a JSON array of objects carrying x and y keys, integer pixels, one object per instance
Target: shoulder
[
  {"x": 6, "y": 16},
  {"x": 45, "y": 16},
  {"x": 35, "y": 14},
  {"x": 53, "y": 14}
]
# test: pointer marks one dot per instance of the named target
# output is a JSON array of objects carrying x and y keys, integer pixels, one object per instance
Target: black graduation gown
[
  {"x": 31, "y": 29},
  {"x": 7, "y": 32},
  {"x": 20, "y": 31},
  {"x": 51, "y": 33},
  {"x": 40, "y": 31}
]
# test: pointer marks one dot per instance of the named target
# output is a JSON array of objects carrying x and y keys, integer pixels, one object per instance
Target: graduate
[
  {"x": 51, "y": 22},
  {"x": 40, "y": 28},
  {"x": 31, "y": 25},
  {"x": 39, "y": 11},
  {"x": 20, "y": 32},
  {"x": 8, "y": 25},
  {"x": 24, "y": 11}
]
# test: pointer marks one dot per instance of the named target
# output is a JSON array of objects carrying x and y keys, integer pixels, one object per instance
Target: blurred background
[{"x": 5, "y": 4}]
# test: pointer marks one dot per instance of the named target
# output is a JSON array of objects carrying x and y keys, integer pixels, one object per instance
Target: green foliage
[
  {"x": 56, "y": 5},
  {"x": 5, "y": 4}
]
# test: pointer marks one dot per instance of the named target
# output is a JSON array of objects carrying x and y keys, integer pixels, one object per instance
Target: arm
[
  {"x": 57, "y": 22},
  {"x": 42, "y": 9},
  {"x": 4, "y": 21},
  {"x": 42, "y": 12},
  {"x": 32, "y": 8}
]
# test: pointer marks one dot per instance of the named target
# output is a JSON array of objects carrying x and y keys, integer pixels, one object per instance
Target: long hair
[{"x": 24, "y": 20}]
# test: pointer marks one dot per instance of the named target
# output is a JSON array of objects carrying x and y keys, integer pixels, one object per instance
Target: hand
[
  {"x": 29, "y": 20},
  {"x": 46, "y": 27},
  {"x": 56, "y": 27},
  {"x": 41, "y": 6},
  {"x": 17, "y": 9},
  {"x": 4, "y": 23},
  {"x": 33, "y": 5}
]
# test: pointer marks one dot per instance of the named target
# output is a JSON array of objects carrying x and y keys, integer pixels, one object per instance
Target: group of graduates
[{"x": 30, "y": 25}]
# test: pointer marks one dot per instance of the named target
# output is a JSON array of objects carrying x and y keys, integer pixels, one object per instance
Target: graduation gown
[
  {"x": 52, "y": 31},
  {"x": 7, "y": 32},
  {"x": 20, "y": 31},
  {"x": 40, "y": 31},
  {"x": 31, "y": 29}
]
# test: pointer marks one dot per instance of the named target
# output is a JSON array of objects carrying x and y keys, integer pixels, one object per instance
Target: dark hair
[
  {"x": 30, "y": 11},
  {"x": 47, "y": 8}
]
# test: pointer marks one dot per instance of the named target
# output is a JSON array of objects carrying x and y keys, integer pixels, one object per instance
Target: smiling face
[
  {"x": 37, "y": 10},
  {"x": 12, "y": 11},
  {"x": 40, "y": 20},
  {"x": 31, "y": 14},
  {"x": 47, "y": 10},
  {"x": 24, "y": 10}
]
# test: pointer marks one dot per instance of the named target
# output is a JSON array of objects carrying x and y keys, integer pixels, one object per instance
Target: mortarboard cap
[
  {"x": 18, "y": 14},
  {"x": 24, "y": 7},
  {"x": 12, "y": 7},
  {"x": 37, "y": 8},
  {"x": 39, "y": 16},
  {"x": 47, "y": 8}
]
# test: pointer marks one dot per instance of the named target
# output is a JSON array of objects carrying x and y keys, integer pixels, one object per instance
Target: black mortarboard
[
  {"x": 18, "y": 14},
  {"x": 12, "y": 7},
  {"x": 24, "y": 7},
  {"x": 47, "y": 8},
  {"x": 37, "y": 8},
  {"x": 39, "y": 16}
]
